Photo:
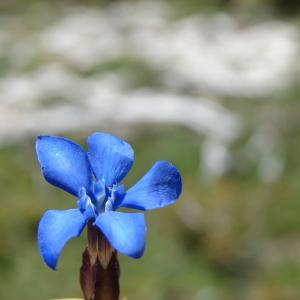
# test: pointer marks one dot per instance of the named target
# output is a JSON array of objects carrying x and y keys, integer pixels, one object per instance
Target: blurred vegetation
[
  {"x": 240, "y": 241},
  {"x": 282, "y": 8},
  {"x": 235, "y": 238}
]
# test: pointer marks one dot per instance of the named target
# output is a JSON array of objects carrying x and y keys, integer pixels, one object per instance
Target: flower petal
[
  {"x": 64, "y": 163},
  {"x": 159, "y": 187},
  {"x": 111, "y": 158},
  {"x": 125, "y": 231},
  {"x": 55, "y": 229}
]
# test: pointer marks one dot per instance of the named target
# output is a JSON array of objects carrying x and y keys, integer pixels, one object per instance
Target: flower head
[{"x": 94, "y": 178}]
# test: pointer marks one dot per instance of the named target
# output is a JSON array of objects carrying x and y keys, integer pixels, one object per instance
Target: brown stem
[{"x": 99, "y": 273}]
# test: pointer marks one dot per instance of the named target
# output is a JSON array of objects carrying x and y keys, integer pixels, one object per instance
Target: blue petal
[
  {"x": 125, "y": 231},
  {"x": 64, "y": 163},
  {"x": 159, "y": 187},
  {"x": 55, "y": 229},
  {"x": 111, "y": 158}
]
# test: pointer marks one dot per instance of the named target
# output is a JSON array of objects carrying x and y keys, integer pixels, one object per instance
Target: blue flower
[{"x": 93, "y": 177}]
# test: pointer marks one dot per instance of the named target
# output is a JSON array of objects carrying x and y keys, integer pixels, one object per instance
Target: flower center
[
  {"x": 113, "y": 195},
  {"x": 85, "y": 204},
  {"x": 102, "y": 200}
]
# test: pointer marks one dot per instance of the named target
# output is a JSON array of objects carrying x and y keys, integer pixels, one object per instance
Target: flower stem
[{"x": 99, "y": 273}]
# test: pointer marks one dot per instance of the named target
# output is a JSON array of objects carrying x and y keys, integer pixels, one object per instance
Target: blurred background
[{"x": 212, "y": 86}]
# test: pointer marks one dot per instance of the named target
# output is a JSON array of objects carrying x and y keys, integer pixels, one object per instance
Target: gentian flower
[{"x": 93, "y": 177}]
